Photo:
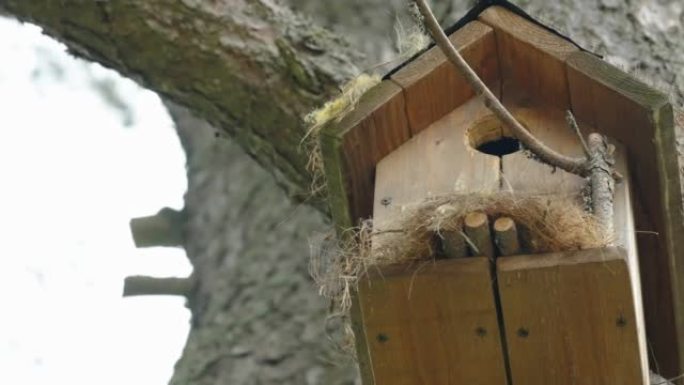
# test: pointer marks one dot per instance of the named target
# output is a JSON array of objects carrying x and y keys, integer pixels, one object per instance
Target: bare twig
[
  {"x": 570, "y": 118},
  {"x": 545, "y": 153},
  {"x": 602, "y": 182}
]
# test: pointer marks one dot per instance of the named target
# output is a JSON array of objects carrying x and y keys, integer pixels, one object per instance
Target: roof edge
[{"x": 473, "y": 14}]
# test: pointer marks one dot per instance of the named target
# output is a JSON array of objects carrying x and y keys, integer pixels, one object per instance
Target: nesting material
[
  {"x": 332, "y": 111},
  {"x": 544, "y": 224}
]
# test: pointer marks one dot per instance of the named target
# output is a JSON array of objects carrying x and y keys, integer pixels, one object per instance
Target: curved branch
[
  {"x": 545, "y": 153},
  {"x": 251, "y": 68}
]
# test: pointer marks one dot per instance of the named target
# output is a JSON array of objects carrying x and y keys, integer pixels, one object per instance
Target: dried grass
[
  {"x": 411, "y": 38},
  {"x": 546, "y": 224},
  {"x": 332, "y": 111}
]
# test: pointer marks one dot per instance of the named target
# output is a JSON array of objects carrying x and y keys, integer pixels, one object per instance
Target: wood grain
[
  {"x": 453, "y": 243},
  {"x": 524, "y": 175},
  {"x": 531, "y": 58},
  {"x": 630, "y": 111},
  {"x": 423, "y": 329},
  {"x": 506, "y": 236},
  {"x": 433, "y": 87},
  {"x": 476, "y": 226},
  {"x": 625, "y": 238},
  {"x": 437, "y": 161},
  {"x": 570, "y": 318},
  {"x": 352, "y": 148}
]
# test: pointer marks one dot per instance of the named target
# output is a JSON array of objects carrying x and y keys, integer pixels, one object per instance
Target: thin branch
[
  {"x": 669, "y": 380},
  {"x": 570, "y": 118},
  {"x": 545, "y": 153},
  {"x": 602, "y": 181}
]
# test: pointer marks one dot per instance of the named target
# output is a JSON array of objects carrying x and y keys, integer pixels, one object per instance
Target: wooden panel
[
  {"x": 435, "y": 162},
  {"x": 432, "y": 85},
  {"x": 570, "y": 318},
  {"x": 624, "y": 108},
  {"x": 531, "y": 57},
  {"x": 521, "y": 174},
  {"x": 352, "y": 148},
  {"x": 433, "y": 324},
  {"x": 625, "y": 237}
]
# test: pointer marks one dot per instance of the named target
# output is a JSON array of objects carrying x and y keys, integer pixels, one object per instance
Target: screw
[
  {"x": 621, "y": 321},
  {"x": 480, "y": 331},
  {"x": 382, "y": 338},
  {"x": 523, "y": 333},
  {"x": 386, "y": 201}
]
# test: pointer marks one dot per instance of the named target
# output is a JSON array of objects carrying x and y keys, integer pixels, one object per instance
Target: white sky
[{"x": 71, "y": 178}]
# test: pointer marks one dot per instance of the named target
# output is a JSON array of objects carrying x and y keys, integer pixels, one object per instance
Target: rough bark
[
  {"x": 252, "y": 68},
  {"x": 249, "y": 67},
  {"x": 257, "y": 318}
]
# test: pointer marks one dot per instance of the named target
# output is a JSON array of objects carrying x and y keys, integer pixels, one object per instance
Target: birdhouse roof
[
  {"x": 475, "y": 12},
  {"x": 526, "y": 63}
]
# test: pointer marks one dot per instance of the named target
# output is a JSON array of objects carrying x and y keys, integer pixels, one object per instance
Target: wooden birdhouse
[{"x": 593, "y": 316}]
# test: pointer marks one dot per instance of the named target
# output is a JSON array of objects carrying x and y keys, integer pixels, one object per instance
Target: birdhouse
[{"x": 591, "y": 316}]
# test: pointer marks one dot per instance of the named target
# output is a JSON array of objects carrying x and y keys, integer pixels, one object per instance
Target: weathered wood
[
  {"x": 352, "y": 147},
  {"x": 625, "y": 238},
  {"x": 539, "y": 149},
  {"x": 143, "y": 285},
  {"x": 624, "y": 108},
  {"x": 424, "y": 167},
  {"x": 476, "y": 226},
  {"x": 519, "y": 170},
  {"x": 361, "y": 341},
  {"x": 453, "y": 243},
  {"x": 163, "y": 229},
  {"x": 433, "y": 323},
  {"x": 506, "y": 236},
  {"x": 531, "y": 58},
  {"x": 433, "y": 87},
  {"x": 570, "y": 318}
]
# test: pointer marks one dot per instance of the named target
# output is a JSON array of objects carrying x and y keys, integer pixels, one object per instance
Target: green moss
[{"x": 298, "y": 71}]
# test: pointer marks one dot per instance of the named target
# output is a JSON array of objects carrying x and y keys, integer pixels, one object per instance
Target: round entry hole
[{"x": 489, "y": 136}]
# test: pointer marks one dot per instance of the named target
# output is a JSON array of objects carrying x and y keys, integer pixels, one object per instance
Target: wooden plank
[
  {"x": 521, "y": 174},
  {"x": 433, "y": 87},
  {"x": 625, "y": 238},
  {"x": 352, "y": 148},
  {"x": 570, "y": 318},
  {"x": 437, "y": 161},
  {"x": 362, "y": 353},
  {"x": 531, "y": 57},
  {"x": 433, "y": 323},
  {"x": 642, "y": 118}
]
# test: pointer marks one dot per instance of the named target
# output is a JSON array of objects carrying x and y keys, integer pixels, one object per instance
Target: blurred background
[{"x": 82, "y": 151}]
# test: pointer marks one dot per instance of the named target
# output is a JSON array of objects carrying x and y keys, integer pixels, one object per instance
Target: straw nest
[{"x": 545, "y": 224}]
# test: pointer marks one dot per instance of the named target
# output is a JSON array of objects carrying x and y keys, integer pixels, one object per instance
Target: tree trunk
[
  {"x": 257, "y": 318},
  {"x": 249, "y": 67},
  {"x": 253, "y": 68}
]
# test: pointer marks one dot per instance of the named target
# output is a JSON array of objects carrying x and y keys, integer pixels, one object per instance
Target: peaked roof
[{"x": 473, "y": 14}]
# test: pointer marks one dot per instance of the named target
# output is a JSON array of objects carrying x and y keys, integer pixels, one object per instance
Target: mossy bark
[{"x": 251, "y": 68}]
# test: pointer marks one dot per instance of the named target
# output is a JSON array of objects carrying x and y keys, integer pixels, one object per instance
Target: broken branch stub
[
  {"x": 479, "y": 238},
  {"x": 506, "y": 236},
  {"x": 144, "y": 285}
]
